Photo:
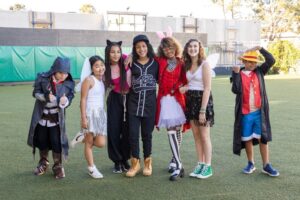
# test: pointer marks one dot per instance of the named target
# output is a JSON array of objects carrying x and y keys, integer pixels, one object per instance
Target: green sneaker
[
  {"x": 206, "y": 172},
  {"x": 197, "y": 170}
]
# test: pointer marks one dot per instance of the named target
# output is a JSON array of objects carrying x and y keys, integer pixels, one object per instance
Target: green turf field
[{"x": 17, "y": 164}]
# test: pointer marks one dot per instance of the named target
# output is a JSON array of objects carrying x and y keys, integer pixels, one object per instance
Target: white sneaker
[
  {"x": 78, "y": 138},
  {"x": 94, "y": 172},
  {"x": 172, "y": 166}
]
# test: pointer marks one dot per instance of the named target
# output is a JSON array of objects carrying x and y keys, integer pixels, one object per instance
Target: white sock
[{"x": 91, "y": 168}]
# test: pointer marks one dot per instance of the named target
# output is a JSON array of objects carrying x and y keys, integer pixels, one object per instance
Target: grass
[{"x": 17, "y": 163}]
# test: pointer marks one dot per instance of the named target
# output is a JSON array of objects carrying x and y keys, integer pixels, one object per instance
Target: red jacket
[
  {"x": 169, "y": 83},
  {"x": 246, "y": 82}
]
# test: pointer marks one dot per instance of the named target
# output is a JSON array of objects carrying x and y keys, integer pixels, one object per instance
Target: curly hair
[
  {"x": 187, "y": 58},
  {"x": 168, "y": 42}
]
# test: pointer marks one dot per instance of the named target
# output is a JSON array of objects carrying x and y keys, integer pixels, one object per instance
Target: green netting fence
[{"x": 22, "y": 63}]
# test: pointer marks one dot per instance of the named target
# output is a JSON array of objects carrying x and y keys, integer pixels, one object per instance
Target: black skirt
[{"x": 193, "y": 106}]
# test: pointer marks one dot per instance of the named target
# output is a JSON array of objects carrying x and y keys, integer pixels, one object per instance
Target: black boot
[{"x": 177, "y": 173}]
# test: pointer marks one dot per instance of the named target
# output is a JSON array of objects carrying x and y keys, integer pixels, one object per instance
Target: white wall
[
  {"x": 217, "y": 30},
  {"x": 154, "y": 24},
  {"x": 77, "y": 21},
  {"x": 12, "y": 19}
]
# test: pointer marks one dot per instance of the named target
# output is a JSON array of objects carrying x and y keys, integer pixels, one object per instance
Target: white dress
[{"x": 96, "y": 115}]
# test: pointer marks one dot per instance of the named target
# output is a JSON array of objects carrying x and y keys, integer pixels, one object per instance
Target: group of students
[{"x": 184, "y": 100}]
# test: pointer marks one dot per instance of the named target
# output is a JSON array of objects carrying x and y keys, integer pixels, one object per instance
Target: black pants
[
  {"x": 147, "y": 125},
  {"x": 47, "y": 138},
  {"x": 117, "y": 129}
]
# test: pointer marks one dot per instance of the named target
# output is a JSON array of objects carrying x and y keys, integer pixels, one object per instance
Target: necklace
[{"x": 171, "y": 64}]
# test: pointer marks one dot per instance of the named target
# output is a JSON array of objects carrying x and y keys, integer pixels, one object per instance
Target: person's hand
[
  {"x": 128, "y": 61},
  {"x": 183, "y": 89},
  {"x": 63, "y": 100},
  {"x": 84, "y": 123},
  {"x": 256, "y": 48},
  {"x": 236, "y": 69},
  {"x": 52, "y": 98},
  {"x": 202, "y": 118}
]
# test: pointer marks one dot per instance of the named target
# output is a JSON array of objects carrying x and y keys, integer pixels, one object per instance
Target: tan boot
[
  {"x": 135, "y": 167},
  {"x": 147, "y": 166}
]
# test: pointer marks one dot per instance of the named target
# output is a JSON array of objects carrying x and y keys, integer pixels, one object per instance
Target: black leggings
[{"x": 47, "y": 138}]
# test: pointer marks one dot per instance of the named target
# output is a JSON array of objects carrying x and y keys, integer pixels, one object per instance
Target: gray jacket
[{"x": 41, "y": 93}]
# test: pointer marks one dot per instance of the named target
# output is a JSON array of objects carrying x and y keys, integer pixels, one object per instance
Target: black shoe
[
  {"x": 125, "y": 166},
  {"x": 117, "y": 168},
  {"x": 177, "y": 173}
]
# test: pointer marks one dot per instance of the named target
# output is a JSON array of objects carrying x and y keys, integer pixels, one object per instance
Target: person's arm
[
  {"x": 70, "y": 94},
  {"x": 206, "y": 76},
  {"x": 269, "y": 60},
  {"x": 63, "y": 101},
  {"x": 127, "y": 59},
  {"x": 182, "y": 81},
  {"x": 128, "y": 77},
  {"x": 37, "y": 89},
  {"x": 85, "y": 87},
  {"x": 236, "y": 87},
  {"x": 39, "y": 93}
]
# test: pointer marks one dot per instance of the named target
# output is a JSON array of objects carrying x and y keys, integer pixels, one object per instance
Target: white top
[
  {"x": 95, "y": 98},
  {"x": 54, "y": 109},
  {"x": 195, "y": 80}
]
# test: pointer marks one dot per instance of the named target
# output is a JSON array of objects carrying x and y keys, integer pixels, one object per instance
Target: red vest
[{"x": 246, "y": 81}]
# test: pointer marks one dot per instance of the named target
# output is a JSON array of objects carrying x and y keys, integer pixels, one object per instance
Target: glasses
[{"x": 165, "y": 49}]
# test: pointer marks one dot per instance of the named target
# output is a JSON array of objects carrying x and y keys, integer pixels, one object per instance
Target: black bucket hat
[{"x": 139, "y": 38}]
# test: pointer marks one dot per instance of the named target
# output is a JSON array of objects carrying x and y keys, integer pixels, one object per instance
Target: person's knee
[
  {"x": 100, "y": 143},
  {"x": 89, "y": 140}
]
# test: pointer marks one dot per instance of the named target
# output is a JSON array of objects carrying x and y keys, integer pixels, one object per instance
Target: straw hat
[{"x": 251, "y": 56}]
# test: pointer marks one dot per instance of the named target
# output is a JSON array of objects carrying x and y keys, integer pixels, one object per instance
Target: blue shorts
[{"x": 251, "y": 126}]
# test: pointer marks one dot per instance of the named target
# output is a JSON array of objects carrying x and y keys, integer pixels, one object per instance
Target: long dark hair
[
  {"x": 150, "y": 53},
  {"x": 94, "y": 59},
  {"x": 186, "y": 57},
  {"x": 121, "y": 65}
]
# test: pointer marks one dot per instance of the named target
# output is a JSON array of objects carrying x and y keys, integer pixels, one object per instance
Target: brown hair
[
  {"x": 169, "y": 42},
  {"x": 186, "y": 57}
]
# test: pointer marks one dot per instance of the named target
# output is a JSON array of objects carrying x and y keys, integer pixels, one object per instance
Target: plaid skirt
[{"x": 193, "y": 105}]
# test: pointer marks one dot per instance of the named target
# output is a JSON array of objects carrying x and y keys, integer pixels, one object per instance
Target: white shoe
[
  {"x": 172, "y": 167},
  {"x": 78, "y": 138},
  {"x": 94, "y": 172}
]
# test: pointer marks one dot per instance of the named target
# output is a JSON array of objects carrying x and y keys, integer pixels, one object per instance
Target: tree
[
  {"x": 285, "y": 54},
  {"x": 231, "y": 6},
  {"x": 296, "y": 17},
  {"x": 88, "y": 8},
  {"x": 221, "y": 3},
  {"x": 276, "y": 17},
  {"x": 17, "y": 7}
]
